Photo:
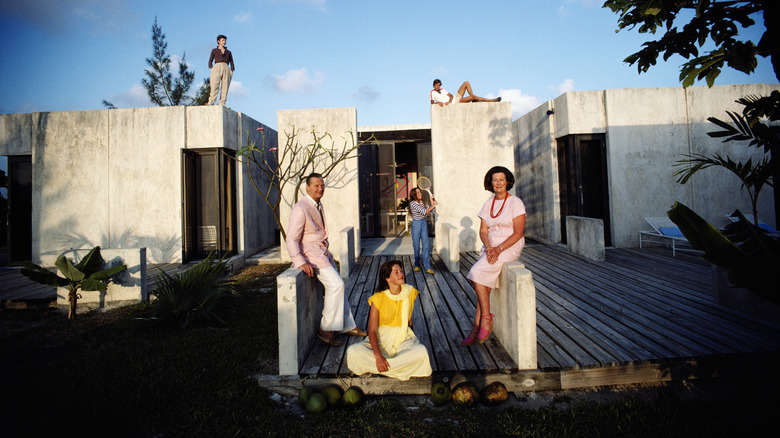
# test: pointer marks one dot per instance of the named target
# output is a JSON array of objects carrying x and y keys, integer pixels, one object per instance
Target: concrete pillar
[
  {"x": 585, "y": 237},
  {"x": 467, "y": 140}
]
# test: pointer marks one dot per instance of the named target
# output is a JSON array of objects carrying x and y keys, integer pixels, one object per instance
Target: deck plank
[
  {"x": 632, "y": 318},
  {"x": 440, "y": 351}
]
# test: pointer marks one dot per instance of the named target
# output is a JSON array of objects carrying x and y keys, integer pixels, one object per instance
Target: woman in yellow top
[{"x": 391, "y": 348}]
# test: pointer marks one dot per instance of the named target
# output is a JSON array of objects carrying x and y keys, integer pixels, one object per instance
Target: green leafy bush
[
  {"x": 197, "y": 296},
  {"x": 87, "y": 275}
]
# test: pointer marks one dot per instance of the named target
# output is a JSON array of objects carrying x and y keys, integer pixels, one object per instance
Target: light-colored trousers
[
  {"x": 220, "y": 74},
  {"x": 336, "y": 313}
]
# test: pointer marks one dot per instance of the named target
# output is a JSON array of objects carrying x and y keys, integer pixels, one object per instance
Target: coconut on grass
[
  {"x": 317, "y": 403},
  {"x": 441, "y": 393},
  {"x": 353, "y": 397},
  {"x": 465, "y": 394},
  {"x": 493, "y": 394}
]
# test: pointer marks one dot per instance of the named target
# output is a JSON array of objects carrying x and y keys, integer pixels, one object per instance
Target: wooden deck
[
  {"x": 641, "y": 316},
  {"x": 17, "y": 291}
]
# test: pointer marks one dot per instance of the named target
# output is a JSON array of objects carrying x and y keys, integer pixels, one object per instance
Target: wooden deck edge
[{"x": 722, "y": 366}]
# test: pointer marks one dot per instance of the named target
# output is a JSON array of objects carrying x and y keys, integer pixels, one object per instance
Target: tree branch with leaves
[
  {"x": 718, "y": 22},
  {"x": 293, "y": 162}
]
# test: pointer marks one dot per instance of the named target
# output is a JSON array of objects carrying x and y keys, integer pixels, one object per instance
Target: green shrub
[{"x": 198, "y": 296}]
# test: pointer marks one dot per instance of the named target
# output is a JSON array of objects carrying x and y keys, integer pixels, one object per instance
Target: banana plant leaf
[
  {"x": 68, "y": 270},
  {"x": 751, "y": 258},
  {"x": 91, "y": 263},
  {"x": 42, "y": 276},
  {"x": 105, "y": 273},
  {"x": 90, "y": 284}
]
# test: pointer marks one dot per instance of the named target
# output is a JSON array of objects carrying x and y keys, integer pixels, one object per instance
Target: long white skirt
[{"x": 410, "y": 360}]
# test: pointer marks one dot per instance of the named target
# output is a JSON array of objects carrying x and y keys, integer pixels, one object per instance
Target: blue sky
[{"x": 377, "y": 56}]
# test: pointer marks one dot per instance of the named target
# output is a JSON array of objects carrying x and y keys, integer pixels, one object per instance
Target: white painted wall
[
  {"x": 341, "y": 201},
  {"x": 647, "y": 130},
  {"x": 467, "y": 140},
  {"x": 536, "y": 176},
  {"x": 113, "y": 177},
  {"x": 144, "y": 181},
  {"x": 71, "y": 180}
]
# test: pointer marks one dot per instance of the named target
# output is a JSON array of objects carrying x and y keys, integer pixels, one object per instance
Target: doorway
[
  {"x": 388, "y": 171},
  {"x": 209, "y": 190},
  {"x": 582, "y": 175},
  {"x": 17, "y": 238}
]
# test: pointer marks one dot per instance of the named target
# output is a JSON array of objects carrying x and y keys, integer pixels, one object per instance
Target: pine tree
[{"x": 162, "y": 88}]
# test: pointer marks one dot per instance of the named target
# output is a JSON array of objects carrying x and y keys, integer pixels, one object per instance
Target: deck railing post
[
  {"x": 299, "y": 310},
  {"x": 346, "y": 251},
  {"x": 514, "y": 304},
  {"x": 450, "y": 250}
]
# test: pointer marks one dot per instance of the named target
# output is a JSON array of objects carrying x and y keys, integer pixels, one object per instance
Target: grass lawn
[{"x": 107, "y": 374}]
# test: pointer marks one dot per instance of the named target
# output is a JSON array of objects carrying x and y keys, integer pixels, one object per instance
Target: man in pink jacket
[{"x": 307, "y": 243}]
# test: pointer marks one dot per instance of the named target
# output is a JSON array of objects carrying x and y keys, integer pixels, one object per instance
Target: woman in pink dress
[{"x": 502, "y": 228}]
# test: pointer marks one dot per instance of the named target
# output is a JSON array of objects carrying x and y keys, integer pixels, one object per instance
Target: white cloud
[
  {"x": 28, "y": 107},
  {"x": 297, "y": 81},
  {"x": 521, "y": 103},
  {"x": 243, "y": 17},
  {"x": 366, "y": 94},
  {"x": 237, "y": 89},
  {"x": 566, "y": 85},
  {"x": 135, "y": 97},
  {"x": 568, "y": 7},
  {"x": 316, "y": 4}
]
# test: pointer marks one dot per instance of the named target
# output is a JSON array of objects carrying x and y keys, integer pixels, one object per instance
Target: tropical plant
[
  {"x": 750, "y": 257},
  {"x": 291, "y": 163},
  {"x": 753, "y": 176},
  {"x": 198, "y": 296},
  {"x": 86, "y": 275},
  {"x": 748, "y": 126}
]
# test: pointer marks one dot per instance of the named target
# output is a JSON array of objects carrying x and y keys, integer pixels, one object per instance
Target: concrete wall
[
  {"x": 144, "y": 182},
  {"x": 256, "y": 224},
  {"x": 647, "y": 130},
  {"x": 112, "y": 178},
  {"x": 15, "y": 134},
  {"x": 536, "y": 177},
  {"x": 341, "y": 199},
  {"x": 467, "y": 140}
]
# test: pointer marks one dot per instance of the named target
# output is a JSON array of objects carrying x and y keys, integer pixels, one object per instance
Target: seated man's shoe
[
  {"x": 416, "y": 269},
  {"x": 357, "y": 332},
  {"x": 429, "y": 271},
  {"x": 329, "y": 338}
]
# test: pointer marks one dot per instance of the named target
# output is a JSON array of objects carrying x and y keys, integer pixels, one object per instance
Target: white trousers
[
  {"x": 220, "y": 75},
  {"x": 336, "y": 313}
]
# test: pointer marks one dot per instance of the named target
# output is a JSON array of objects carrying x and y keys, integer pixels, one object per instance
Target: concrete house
[
  {"x": 606, "y": 154},
  {"x": 163, "y": 179}
]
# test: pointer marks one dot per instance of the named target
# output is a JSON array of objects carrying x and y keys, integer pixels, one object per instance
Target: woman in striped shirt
[{"x": 418, "y": 209}]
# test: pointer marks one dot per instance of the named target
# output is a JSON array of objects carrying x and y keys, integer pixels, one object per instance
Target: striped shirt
[{"x": 418, "y": 210}]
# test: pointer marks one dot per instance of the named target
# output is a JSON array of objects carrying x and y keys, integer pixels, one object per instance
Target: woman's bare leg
[{"x": 483, "y": 302}]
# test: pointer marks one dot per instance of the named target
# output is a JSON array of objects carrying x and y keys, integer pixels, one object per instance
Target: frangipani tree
[{"x": 292, "y": 162}]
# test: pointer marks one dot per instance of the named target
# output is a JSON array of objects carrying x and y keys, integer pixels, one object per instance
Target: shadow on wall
[
  {"x": 159, "y": 249},
  {"x": 501, "y": 133},
  {"x": 468, "y": 238}
]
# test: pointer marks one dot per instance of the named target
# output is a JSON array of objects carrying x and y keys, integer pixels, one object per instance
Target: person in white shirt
[{"x": 441, "y": 97}]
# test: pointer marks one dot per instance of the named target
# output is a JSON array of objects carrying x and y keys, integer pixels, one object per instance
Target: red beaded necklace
[{"x": 501, "y": 209}]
